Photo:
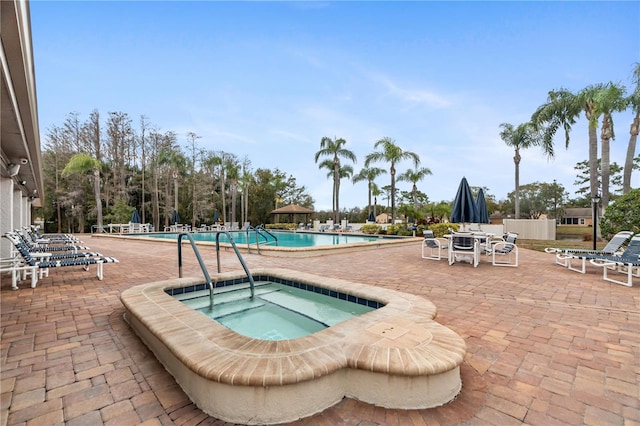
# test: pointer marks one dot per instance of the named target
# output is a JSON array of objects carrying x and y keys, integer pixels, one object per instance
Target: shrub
[
  {"x": 393, "y": 229},
  {"x": 403, "y": 231},
  {"x": 439, "y": 229},
  {"x": 288, "y": 226},
  {"x": 370, "y": 229},
  {"x": 622, "y": 215}
]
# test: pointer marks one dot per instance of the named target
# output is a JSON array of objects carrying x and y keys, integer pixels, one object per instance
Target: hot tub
[{"x": 396, "y": 356}]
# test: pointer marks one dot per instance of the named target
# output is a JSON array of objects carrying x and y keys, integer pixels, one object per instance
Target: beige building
[
  {"x": 577, "y": 216},
  {"x": 21, "y": 185}
]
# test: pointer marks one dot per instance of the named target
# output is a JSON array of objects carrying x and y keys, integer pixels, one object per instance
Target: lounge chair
[
  {"x": 612, "y": 247},
  {"x": 432, "y": 246},
  {"x": 43, "y": 246},
  {"x": 631, "y": 254},
  {"x": 34, "y": 232},
  {"x": 505, "y": 252},
  {"x": 628, "y": 263},
  {"x": 33, "y": 262},
  {"x": 324, "y": 228},
  {"x": 464, "y": 246}
]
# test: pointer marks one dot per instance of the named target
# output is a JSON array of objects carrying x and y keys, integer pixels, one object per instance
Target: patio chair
[
  {"x": 463, "y": 246},
  {"x": 324, "y": 228},
  {"x": 630, "y": 254},
  {"x": 504, "y": 252},
  {"x": 613, "y": 246},
  {"x": 30, "y": 261},
  {"x": 432, "y": 247}
]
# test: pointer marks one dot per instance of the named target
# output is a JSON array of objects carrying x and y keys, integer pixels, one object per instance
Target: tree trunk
[
  {"x": 96, "y": 192},
  {"x": 631, "y": 151},
  {"x": 516, "y": 161},
  {"x": 605, "y": 163},
  {"x": 393, "y": 193}
]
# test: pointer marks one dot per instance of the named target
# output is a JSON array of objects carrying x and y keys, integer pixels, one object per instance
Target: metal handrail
[
  {"x": 204, "y": 269},
  {"x": 260, "y": 232},
  {"x": 235, "y": 248}
]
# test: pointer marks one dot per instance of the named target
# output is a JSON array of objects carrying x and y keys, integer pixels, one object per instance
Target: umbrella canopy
[
  {"x": 135, "y": 216},
  {"x": 481, "y": 204},
  {"x": 372, "y": 217},
  {"x": 175, "y": 217},
  {"x": 464, "y": 206},
  {"x": 216, "y": 217}
]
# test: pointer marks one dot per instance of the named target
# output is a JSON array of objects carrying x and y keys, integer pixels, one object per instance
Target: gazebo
[{"x": 292, "y": 210}]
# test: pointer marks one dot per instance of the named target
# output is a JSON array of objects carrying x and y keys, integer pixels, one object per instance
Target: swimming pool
[
  {"x": 284, "y": 238},
  {"x": 290, "y": 244},
  {"x": 396, "y": 356},
  {"x": 278, "y": 311}
]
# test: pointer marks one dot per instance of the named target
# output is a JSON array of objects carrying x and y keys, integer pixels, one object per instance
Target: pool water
[
  {"x": 285, "y": 239},
  {"x": 277, "y": 311}
]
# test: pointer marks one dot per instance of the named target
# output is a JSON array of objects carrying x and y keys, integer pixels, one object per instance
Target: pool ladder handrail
[
  {"x": 260, "y": 232},
  {"x": 204, "y": 268},
  {"x": 240, "y": 258}
]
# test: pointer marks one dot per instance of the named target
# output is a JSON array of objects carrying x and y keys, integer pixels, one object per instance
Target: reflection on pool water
[
  {"x": 285, "y": 239},
  {"x": 278, "y": 311}
]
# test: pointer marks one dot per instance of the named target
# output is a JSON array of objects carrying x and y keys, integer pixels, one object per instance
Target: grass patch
[{"x": 540, "y": 245}]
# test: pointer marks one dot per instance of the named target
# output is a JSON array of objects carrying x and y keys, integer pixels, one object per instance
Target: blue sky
[{"x": 268, "y": 80}]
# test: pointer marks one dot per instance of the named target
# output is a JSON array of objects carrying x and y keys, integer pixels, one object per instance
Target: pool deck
[{"x": 544, "y": 345}]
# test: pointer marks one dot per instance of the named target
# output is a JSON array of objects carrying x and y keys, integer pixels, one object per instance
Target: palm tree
[
  {"x": 391, "y": 153},
  {"x": 521, "y": 137},
  {"x": 177, "y": 163},
  {"x": 81, "y": 164},
  {"x": 562, "y": 109},
  {"x": 608, "y": 100},
  {"x": 415, "y": 176},
  {"x": 634, "y": 102},
  {"x": 334, "y": 148},
  {"x": 369, "y": 174}
]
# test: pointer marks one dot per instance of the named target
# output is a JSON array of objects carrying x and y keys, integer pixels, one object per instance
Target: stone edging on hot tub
[{"x": 400, "y": 339}]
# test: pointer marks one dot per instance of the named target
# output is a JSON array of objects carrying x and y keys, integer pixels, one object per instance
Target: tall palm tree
[
  {"x": 415, "y": 176},
  {"x": 634, "y": 102},
  {"x": 610, "y": 98},
  {"x": 334, "y": 148},
  {"x": 369, "y": 174},
  {"x": 376, "y": 192},
  {"x": 521, "y": 137},
  {"x": 344, "y": 172},
  {"x": 81, "y": 164},
  {"x": 391, "y": 153},
  {"x": 562, "y": 109},
  {"x": 177, "y": 163}
]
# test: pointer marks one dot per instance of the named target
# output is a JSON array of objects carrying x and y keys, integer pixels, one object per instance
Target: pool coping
[{"x": 391, "y": 357}]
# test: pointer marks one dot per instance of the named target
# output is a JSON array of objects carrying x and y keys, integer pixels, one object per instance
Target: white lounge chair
[
  {"x": 627, "y": 262},
  {"x": 612, "y": 247}
]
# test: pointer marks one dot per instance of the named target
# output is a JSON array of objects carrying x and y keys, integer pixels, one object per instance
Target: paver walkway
[{"x": 545, "y": 345}]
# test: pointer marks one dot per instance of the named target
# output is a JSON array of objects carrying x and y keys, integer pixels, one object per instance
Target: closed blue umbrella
[
  {"x": 481, "y": 204},
  {"x": 135, "y": 217},
  {"x": 216, "y": 217},
  {"x": 175, "y": 217},
  {"x": 372, "y": 217},
  {"x": 464, "y": 206}
]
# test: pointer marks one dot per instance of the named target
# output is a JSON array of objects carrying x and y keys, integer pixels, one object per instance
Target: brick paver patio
[{"x": 545, "y": 345}]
